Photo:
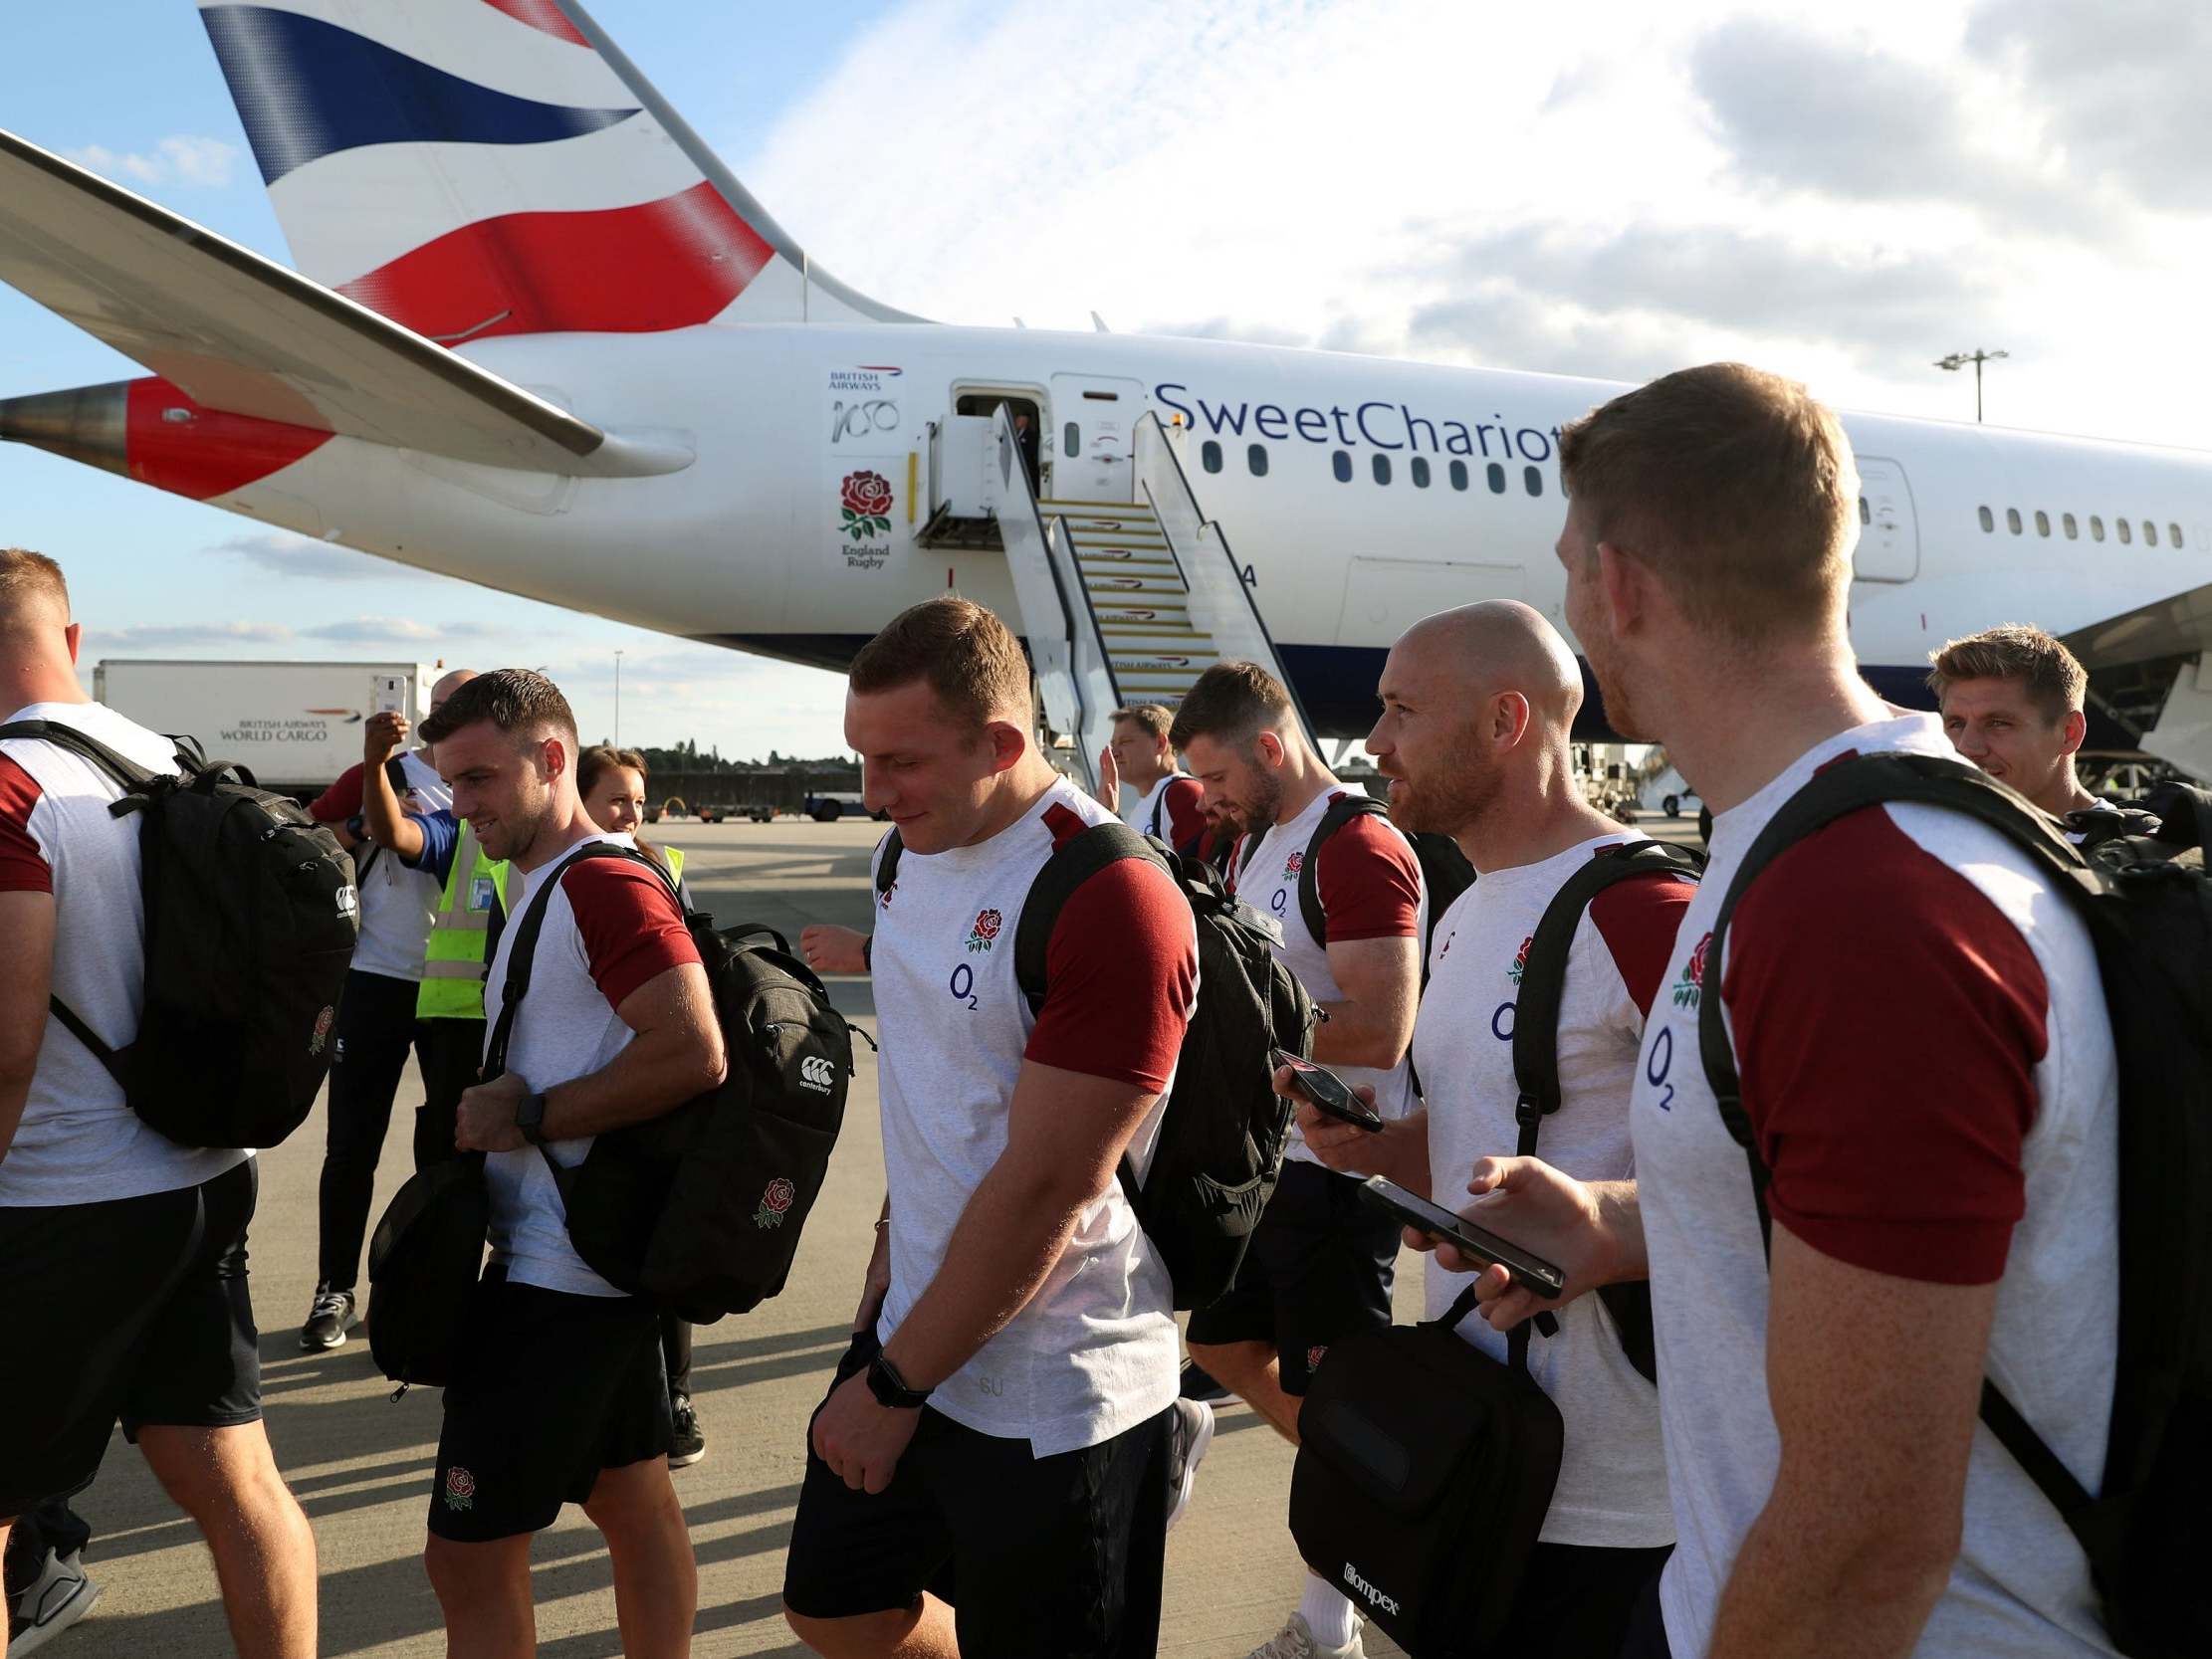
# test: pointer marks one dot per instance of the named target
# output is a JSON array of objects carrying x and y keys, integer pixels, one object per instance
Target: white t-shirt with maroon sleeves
[
  {"x": 611, "y": 928},
  {"x": 1094, "y": 1353},
  {"x": 1369, "y": 886},
  {"x": 1179, "y": 799},
  {"x": 1612, "y": 1490},
  {"x": 78, "y": 1142},
  {"x": 1927, "y": 1064}
]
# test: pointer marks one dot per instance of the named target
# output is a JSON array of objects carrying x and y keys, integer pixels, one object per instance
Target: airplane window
[
  {"x": 2174, "y": 530},
  {"x": 1070, "y": 440},
  {"x": 2125, "y": 534},
  {"x": 1255, "y": 457},
  {"x": 1989, "y": 519},
  {"x": 1864, "y": 518},
  {"x": 2073, "y": 532},
  {"x": 1534, "y": 480},
  {"x": 1458, "y": 475},
  {"x": 2097, "y": 528},
  {"x": 1341, "y": 465},
  {"x": 2043, "y": 523},
  {"x": 1420, "y": 470},
  {"x": 1382, "y": 469},
  {"x": 2150, "y": 533},
  {"x": 1497, "y": 479},
  {"x": 1210, "y": 456},
  {"x": 2012, "y": 519}
]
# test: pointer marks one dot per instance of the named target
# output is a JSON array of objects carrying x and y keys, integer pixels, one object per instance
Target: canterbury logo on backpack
[
  {"x": 249, "y": 924},
  {"x": 816, "y": 1071}
]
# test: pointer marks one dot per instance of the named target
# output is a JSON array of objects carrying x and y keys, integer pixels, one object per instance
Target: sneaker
[
  {"x": 1188, "y": 1438},
  {"x": 55, "y": 1600},
  {"x": 1199, "y": 1383},
  {"x": 1295, "y": 1641},
  {"x": 328, "y": 1320},
  {"x": 690, "y": 1445}
]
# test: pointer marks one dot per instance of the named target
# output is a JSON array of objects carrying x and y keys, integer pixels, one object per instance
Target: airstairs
[{"x": 1122, "y": 602}]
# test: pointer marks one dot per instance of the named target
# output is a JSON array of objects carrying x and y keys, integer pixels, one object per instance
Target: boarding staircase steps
[{"x": 1137, "y": 594}]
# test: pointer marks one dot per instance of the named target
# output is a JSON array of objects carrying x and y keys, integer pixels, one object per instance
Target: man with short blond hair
[
  {"x": 1169, "y": 803},
  {"x": 1004, "y": 1408},
  {"x": 124, "y": 1295},
  {"x": 1832, "y": 1490},
  {"x": 2011, "y": 699}
]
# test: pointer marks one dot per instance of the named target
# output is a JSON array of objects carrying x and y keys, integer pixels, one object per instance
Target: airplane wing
[
  {"x": 241, "y": 334},
  {"x": 2173, "y": 626}
]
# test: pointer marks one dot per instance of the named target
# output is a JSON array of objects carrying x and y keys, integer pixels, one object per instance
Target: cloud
[
  {"x": 171, "y": 636},
  {"x": 183, "y": 158},
  {"x": 296, "y": 555},
  {"x": 2120, "y": 86},
  {"x": 397, "y": 630}
]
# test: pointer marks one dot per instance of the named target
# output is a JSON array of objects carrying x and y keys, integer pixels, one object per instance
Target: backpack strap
[
  {"x": 1341, "y": 812},
  {"x": 1845, "y": 787},
  {"x": 520, "y": 958},
  {"x": 1536, "y": 1045},
  {"x": 131, "y": 778},
  {"x": 887, "y": 863}
]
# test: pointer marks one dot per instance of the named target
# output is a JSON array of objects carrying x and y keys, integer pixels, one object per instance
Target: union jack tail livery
[{"x": 472, "y": 168}]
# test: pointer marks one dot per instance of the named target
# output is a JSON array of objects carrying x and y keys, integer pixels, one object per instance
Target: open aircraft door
[
  {"x": 1093, "y": 434},
  {"x": 1889, "y": 528}
]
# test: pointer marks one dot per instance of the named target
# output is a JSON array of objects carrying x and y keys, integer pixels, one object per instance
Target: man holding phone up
[
  {"x": 1476, "y": 708},
  {"x": 1321, "y": 1260}
]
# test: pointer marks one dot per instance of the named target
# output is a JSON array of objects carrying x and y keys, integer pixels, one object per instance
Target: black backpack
[
  {"x": 1536, "y": 1040},
  {"x": 423, "y": 1263},
  {"x": 1445, "y": 870},
  {"x": 2147, "y": 1531},
  {"x": 1223, "y": 1128},
  {"x": 251, "y": 915},
  {"x": 700, "y": 1209}
]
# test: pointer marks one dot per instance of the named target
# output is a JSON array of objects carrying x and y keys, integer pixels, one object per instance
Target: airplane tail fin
[{"x": 472, "y": 168}]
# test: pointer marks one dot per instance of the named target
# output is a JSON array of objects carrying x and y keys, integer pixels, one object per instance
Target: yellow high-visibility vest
[{"x": 454, "y": 960}]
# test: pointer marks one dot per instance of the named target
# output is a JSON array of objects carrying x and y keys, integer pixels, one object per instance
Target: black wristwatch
[
  {"x": 530, "y": 1117},
  {"x": 889, "y": 1388}
]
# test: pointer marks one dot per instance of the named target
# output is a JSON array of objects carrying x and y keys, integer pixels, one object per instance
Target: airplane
[{"x": 540, "y": 338}]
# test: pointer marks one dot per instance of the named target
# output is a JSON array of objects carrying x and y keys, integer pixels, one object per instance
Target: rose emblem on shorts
[
  {"x": 775, "y": 1200},
  {"x": 1313, "y": 1356},
  {"x": 1520, "y": 960},
  {"x": 322, "y": 1023},
  {"x": 987, "y": 923},
  {"x": 866, "y": 503},
  {"x": 460, "y": 1489},
  {"x": 1691, "y": 988}
]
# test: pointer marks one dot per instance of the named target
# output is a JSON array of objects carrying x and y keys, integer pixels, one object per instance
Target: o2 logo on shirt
[
  {"x": 1660, "y": 1060},
  {"x": 962, "y": 985},
  {"x": 1280, "y": 903}
]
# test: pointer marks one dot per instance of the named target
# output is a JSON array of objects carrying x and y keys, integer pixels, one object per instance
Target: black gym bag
[
  {"x": 1425, "y": 1471},
  {"x": 423, "y": 1262}
]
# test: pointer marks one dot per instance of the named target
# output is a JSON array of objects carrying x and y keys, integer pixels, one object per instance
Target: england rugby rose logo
[
  {"x": 987, "y": 923},
  {"x": 1689, "y": 989},
  {"x": 867, "y": 504},
  {"x": 460, "y": 1488},
  {"x": 774, "y": 1202},
  {"x": 1520, "y": 960}
]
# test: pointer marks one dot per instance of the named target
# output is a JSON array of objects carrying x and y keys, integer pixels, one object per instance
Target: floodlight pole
[
  {"x": 1977, "y": 356},
  {"x": 618, "y": 699}
]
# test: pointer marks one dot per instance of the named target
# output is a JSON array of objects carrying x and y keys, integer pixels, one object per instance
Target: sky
[{"x": 1606, "y": 189}]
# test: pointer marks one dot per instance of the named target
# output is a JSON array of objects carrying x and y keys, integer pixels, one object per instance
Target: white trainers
[
  {"x": 1295, "y": 1641},
  {"x": 57, "y": 1600},
  {"x": 1189, "y": 1436}
]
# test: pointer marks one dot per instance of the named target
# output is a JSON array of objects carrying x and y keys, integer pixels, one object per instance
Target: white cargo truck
[{"x": 294, "y": 726}]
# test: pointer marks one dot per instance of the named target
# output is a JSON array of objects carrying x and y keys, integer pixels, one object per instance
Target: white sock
[{"x": 1328, "y": 1614}]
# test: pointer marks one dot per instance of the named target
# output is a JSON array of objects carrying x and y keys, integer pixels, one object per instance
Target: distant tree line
[{"x": 688, "y": 756}]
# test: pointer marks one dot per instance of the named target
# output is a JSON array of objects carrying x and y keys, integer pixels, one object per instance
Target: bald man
[
  {"x": 124, "y": 1295},
  {"x": 390, "y": 810},
  {"x": 1477, "y": 704}
]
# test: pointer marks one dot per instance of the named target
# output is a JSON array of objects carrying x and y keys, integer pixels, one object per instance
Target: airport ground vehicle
[{"x": 294, "y": 724}]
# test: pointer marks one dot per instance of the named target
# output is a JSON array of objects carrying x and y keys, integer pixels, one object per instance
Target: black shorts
[
  {"x": 549, "y": 1389},
  {"x": 1060, "y": 1553},
  {"x": 1646, "y": 1637},
  {"x": 1577, "y": 1601},
  {"x": 135, "y": 1309},
  {"x": 1319, "y": 1270}
]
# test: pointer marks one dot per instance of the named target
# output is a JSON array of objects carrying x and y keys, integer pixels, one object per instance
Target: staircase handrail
[{"x": 1152, "y": 434}]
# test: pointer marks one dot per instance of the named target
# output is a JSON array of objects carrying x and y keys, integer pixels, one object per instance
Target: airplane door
[
  {"x": 1889, "y": 528},
  {"x": 1093, "y": 437}
]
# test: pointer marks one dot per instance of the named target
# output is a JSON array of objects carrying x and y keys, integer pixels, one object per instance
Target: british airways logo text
[{"x": 1376, "y": 422}]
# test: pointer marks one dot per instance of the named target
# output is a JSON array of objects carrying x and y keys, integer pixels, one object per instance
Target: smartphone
[
  {"x": 1531, "y": 1272},
  {"x": 389, "y": 694},
  {"x": 1329, "y": 1092}
]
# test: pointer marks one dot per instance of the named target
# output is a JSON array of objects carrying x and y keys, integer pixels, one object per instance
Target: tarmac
[{"x": 361, "y": 1461}]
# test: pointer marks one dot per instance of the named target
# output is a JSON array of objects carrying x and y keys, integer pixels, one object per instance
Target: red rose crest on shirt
[
  {"x": 1520, "y": 960},
  {"x": 1691, "y": 988},
  {"x": 1293, "y": 865},
  {"x": 987, "y": 923}
]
